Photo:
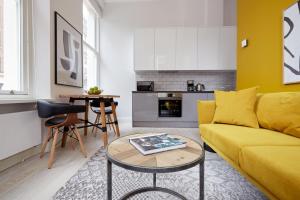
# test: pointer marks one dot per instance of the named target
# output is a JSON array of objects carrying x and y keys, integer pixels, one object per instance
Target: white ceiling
[{"x": 110, "y": 1}]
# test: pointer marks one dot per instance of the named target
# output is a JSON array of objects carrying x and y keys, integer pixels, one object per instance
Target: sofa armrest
[{"x": 206, "y": 111}]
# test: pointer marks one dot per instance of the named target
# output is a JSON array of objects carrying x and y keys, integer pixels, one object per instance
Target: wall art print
[
  {"x": 68, "y": 54},
  {"x": 291, "y": 55}
]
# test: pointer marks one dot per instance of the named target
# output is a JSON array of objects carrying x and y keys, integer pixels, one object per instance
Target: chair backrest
[
  {"x": 44, "y": 109},
  {"x": 96, "y": 103},
  {"x": 48, "y": 109}
]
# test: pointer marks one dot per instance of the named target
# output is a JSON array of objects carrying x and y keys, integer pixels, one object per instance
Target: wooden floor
[{"x": 31, "y": 180}]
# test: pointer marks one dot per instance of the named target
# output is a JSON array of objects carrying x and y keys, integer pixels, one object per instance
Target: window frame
[
  {"x": 95, "y": 50},
  {"x": 25, "y": 19}
]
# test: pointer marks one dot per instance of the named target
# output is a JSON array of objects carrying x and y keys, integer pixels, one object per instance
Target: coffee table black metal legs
[
  {"x": 201, "y": 181},
  {"x": 154, "y": 188},
  {"x": 109, "y": 180}
]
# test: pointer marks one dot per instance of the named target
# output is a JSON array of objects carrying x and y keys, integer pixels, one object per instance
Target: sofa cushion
[
  {"x": 280, "y": 112},
  {"x": 277, "y": 168},
  {"x": 230, "y": 139},
  {"x": 236, "y": 108}
]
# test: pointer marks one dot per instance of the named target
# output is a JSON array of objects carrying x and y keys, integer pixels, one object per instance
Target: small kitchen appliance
[
  {"x": 145, "y": 86},
  {"x": 200, "y": 87},
  {"x": 190, "y": 85}
]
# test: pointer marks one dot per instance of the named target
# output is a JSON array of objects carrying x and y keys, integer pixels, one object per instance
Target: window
[
  {"x": 13, "y": 73},
  {"x": 90, "y": 45}
]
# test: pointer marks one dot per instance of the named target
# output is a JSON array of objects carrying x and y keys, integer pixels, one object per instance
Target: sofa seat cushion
[
  {"x": 277, "y": 168},
  {"x": 230, "y": 139}
]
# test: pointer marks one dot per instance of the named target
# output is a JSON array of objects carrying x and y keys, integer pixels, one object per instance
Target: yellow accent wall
[{"x": 260, "y": 21}]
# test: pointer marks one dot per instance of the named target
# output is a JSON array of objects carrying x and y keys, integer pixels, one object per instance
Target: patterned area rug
[{"x": 221, "y": 182}]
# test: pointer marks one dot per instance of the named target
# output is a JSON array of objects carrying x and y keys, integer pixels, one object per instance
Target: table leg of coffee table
[
  {"x": 154, "y": 179},
  {"x": 201, "y": 180},
  {"x": 109, "y": 180}
]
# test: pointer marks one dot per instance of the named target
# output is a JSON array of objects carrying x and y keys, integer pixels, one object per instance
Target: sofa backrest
[{"x": 279, "y": 112}]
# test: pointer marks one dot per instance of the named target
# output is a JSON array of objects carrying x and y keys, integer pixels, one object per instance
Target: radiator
[{"x": 18, "y": 132}]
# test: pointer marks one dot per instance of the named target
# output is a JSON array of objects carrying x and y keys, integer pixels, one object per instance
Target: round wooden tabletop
[{"x": 122, "y": 153}]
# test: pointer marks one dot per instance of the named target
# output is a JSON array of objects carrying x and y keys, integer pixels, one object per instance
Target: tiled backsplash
[{"x": 176, "y": 81}]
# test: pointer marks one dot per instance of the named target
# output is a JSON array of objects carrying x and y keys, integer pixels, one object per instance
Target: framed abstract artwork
[
  {"x": 68, "y": 54},
  {"x": 291, "y": 44}
]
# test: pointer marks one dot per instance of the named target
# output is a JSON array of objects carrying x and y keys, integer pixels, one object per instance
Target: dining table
[{"x": 103, "y": 99}]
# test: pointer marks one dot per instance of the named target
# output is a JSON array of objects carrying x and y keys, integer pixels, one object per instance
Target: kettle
[{"x": 200, "y": 87}]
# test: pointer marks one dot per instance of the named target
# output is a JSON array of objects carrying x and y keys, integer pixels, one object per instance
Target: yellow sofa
[{"x": 267, "y": 158}]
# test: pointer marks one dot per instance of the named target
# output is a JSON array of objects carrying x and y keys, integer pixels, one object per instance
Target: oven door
[{"x": 170, "y": 107}]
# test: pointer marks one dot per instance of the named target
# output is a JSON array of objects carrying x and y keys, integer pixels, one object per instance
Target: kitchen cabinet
[
  {"x": 144, "y": 107},
  {"x": 145, "y": 110},
  {"x": 165, "y": 45},
  {"x": 144, "y": 49},
  {"x": 228, "y": 44},
  {"x": 186, "y": 49},
  {"x": 208, "y": 48},
  {"x": 189, "y": 105},
  {"x": 210, "y": 96}
]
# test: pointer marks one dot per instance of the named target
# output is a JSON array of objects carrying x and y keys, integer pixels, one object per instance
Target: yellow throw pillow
[
  {"x": 236, "y": 108},
  {"x": 280, "y": 112}
]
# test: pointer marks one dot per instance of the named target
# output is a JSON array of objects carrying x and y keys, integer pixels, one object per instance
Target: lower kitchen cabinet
[
  {"x": 189, "y": 106},
  {"x": 144, "y": 107},
  {"x": 145, "y": 111}
]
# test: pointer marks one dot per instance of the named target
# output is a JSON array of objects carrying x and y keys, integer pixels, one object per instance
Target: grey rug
[{"x": 221, "y": 182}]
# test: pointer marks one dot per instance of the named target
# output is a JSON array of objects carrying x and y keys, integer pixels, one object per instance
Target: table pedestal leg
[
  {"x": 201, "y": 181},
  {"x": 109, "y": 180}
]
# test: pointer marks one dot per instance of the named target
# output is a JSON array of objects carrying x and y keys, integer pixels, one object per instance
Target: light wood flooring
[{"x": 32, "y": 180}]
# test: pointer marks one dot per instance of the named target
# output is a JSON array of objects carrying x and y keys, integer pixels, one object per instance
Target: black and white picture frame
[
  {"x": 291, "y": 44},
  {"x": 68, "y": 54}
]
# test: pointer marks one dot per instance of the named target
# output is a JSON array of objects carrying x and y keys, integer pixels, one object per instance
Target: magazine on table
[{"x": 155, "y": 143}]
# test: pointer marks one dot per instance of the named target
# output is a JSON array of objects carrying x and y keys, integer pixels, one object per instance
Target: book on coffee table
[{"x": 155, "y": 143}]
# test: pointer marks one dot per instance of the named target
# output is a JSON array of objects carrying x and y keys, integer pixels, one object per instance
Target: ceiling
[{"x": 110, "y": 1}]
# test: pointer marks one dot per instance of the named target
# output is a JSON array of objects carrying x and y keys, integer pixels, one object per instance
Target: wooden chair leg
[
  {"x": 109, "y": 121},
  {"x": 65, "y": 137},
  {"x": 113, "y": 106},
  {"x": 113, "y": 126},
  {"x": 52, "y": 153},
  {"x": 46, "y": 140},
  {"x": 96, "y": 120},
  {"x": 103, "y": 124},
  {"x": 82, "y": 148}
]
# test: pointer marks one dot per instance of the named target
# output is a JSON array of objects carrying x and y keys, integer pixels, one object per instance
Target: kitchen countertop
[{"x": 208, "y": 91}]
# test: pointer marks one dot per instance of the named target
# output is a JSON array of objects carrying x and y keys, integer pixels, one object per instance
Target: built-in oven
[{"x": 169, "y": 104}]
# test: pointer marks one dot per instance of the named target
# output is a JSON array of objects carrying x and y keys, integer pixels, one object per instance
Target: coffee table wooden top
[{"x": 121, "y": 151}]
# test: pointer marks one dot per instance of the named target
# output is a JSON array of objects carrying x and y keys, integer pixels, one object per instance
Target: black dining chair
[
  {"x": 61, "y": 118},
  {"x": 95, "y": 107}
]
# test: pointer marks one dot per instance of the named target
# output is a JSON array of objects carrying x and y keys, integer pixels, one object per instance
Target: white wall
[
  {"x": 41, "y": 49},
  {"x": 71, "y": 10},
  {"x": 44, "y": 66},
  {"x": 119, "y": 21}
]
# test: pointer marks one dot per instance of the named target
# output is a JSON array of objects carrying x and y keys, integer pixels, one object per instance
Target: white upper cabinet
[
  {"x": 228, "y": 45},
  {"x": 165, "y": 48},
  {"x": 208, "y": 48},
  {"x": 144, "y": 41},
  {"x": 186, "y": 49}
]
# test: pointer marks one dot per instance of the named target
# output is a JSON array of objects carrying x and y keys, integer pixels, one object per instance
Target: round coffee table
[{"x": 121, "y": 153}]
